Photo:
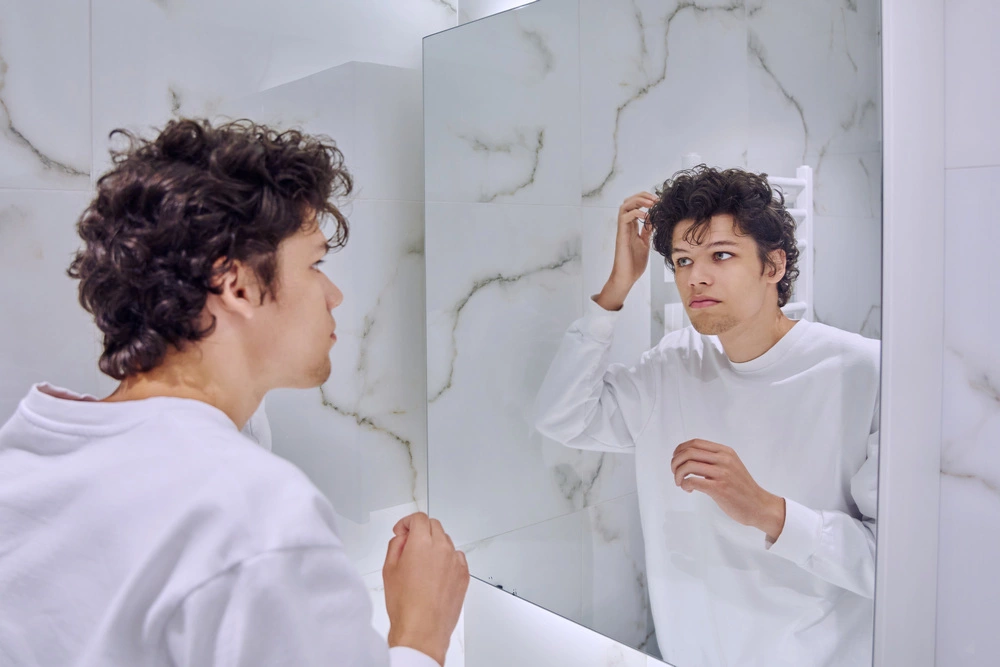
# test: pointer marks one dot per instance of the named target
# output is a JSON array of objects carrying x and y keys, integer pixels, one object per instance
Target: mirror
[{"x": 555, "y": 422}]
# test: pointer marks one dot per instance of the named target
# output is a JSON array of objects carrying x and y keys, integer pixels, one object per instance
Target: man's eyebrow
[{"x": 714, "y": 244}]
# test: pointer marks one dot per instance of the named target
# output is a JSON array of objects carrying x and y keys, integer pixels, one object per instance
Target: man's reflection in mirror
[{"x": 755, "y": 436}]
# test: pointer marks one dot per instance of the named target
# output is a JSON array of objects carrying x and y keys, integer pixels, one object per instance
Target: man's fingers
[
  {"x": 697, "y": 443},
  {"x": 693, "y": 454},
  {"x": 438, "y": 532},
  {"x": 705, "y": 470},
  {"x": 395, "y": 550},
  {"x": 417, "y": 520},
  {"x": 698, "y": 484},
  {"x": 646, "y": 232},
  {"x": 641, "y": 200}
]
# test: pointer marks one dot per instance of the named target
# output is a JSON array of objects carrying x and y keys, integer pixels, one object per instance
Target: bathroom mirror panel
[{"x": 539, "y": 123}]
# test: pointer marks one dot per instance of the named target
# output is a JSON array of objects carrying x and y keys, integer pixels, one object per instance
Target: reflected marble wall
[
  {"x": 512, "y": 255},
  {"x": 815, "y": 99},
  {"x": 538, "y": 123},
  {"x": 45, "y": 164}
]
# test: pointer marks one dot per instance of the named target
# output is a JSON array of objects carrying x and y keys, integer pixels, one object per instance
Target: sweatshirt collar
[
  {"x": 775, "y": 353},
  {"x": 65, "y": 411}
]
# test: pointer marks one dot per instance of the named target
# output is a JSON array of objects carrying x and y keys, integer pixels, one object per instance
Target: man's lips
[{"x": 702, "y": 302}]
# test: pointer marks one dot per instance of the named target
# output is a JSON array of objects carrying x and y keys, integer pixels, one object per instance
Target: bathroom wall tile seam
[{"x": 973, "y": 166}]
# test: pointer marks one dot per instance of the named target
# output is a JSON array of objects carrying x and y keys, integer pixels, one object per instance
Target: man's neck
[
  {"x": 753, "y": 338},
  {"x": 178, "y": 377}
]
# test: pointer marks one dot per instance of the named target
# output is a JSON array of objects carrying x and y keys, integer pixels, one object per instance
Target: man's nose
[
  {"x": 334, "y": 297},
  {"x": 700, "y": 275}
]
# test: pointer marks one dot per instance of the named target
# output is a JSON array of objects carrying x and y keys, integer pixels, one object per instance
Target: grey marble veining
[
  {"x": 569, "y": 256},
  {"x": 538, "y": 43},
  {"x": 577, "y": 485},
  {"x": 531, "y": 144},
  {"x": 648, "y": 81},
  {"x": 759, "y": 56},
  {"x": 447, "y": 4},
  {"x": 18, "y": 137},
  {"x": 369, "y": 422}
]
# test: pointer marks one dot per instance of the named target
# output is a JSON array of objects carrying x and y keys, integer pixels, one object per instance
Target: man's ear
[
  {"x": 775, "y": 270},
  {"x": 240, "y": 289}
]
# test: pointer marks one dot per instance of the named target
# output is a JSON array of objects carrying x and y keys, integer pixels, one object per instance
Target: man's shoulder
[
  {"x": 847, "y": 341},
  {"x": 220, "y": 472}
]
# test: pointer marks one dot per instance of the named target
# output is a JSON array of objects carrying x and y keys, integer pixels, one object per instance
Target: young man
[
  {"x": 144, "y": 529},
  {"x": 755, "y": 436}
]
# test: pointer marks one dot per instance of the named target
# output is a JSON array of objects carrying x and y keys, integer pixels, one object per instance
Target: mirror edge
[{"x": 912, "y": 333}]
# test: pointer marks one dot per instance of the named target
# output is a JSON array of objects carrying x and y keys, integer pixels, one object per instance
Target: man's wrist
[
  {"x": 422, "y": 644},
  {"x": 612, "y": 296},
  {"x": 772, "y": 520}
]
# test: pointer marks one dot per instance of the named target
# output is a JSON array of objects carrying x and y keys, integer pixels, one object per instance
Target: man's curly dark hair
[
  {"x": 174, "y": 212},
  {"x": 699, "y": 193}
]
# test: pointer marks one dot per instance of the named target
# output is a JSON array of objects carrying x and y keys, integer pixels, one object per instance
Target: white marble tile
[
  {"x": 373, "y": 112},
  {"x": 813, "y": 71},
  {"x": 967, "y": 588},
  {"x": 972, "y": 87},
  {"x": 848, "y": 274},
  {"x": 847, "y": 185},
  {"x": 455, "y": 657},
  {"x": 362, "y": 437},
  {"x": 972, "y": 363},
  {"x": 651, "y": 91},
  {"x": 503, "y": 630},
  {"x": 44, "y": 95},
  {"x": 970, "y": 458},
  {"x": 503, "y": 285},
  {"x": 44, "y": 333},
  {"x": 191, "y": 58},
  {"x": 473, "y": 10},
  {"x": 501, "y": 101}
]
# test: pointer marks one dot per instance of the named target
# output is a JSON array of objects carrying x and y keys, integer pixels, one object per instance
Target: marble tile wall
[
  {"x": 473, "y": 10},
  {"x": 968, "y": 588},
  {"x": 512, "y": 254},
  {"x": 45, "y": 156}
]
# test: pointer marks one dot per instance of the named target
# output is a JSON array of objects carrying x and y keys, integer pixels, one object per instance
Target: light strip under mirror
[{"x": 538, "y": 124}]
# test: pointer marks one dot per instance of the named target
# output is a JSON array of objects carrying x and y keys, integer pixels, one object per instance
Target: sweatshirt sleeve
[
  {"x": 584, "y": 403},
  {"x": 298, "y": 606},
  {"x": 836, "y": 546}
]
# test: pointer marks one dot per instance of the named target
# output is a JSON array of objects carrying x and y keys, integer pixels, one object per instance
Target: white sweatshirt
[
  {"x": 153, "y": 533},
  {"x": 803, "y": 418}
]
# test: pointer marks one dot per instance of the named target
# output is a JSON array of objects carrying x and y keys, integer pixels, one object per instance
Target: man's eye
[
  {"x": 723, "y": 255},
  {"x": 683, "y": 261}
]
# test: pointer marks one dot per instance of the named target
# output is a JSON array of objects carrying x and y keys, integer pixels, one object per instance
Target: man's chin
[
  {"x": 317, "y": 377},
  {"x": 711, "y": 326}
]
